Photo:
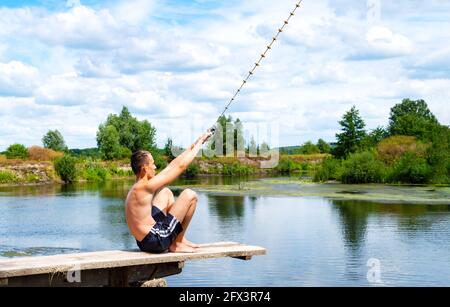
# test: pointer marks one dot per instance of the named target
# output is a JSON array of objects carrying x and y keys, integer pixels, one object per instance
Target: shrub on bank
[
  {"x": 288, "y": 165},
  {"x": 92, "y": 171},
  {"x": 411, "y": 168},
  {"x": 65, "y": 167},
  {"x": 362, "y": 167},
  {"x": 285, "y": 166},
  {"x": 330, "y": 169},
  {"x": 17, "y": 151},
  {"x": 192, "y": 171},
  {"x": 237, "y": 169},
  {"x": 32, "y": 178},
  {"x": 37, "y": 153},
  {"x": 8, "y": 177},
  {"x": 115, "y": 171}
]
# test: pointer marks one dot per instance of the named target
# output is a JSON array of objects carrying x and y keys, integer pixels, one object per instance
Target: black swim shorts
[{"x": 163, "y": 233}]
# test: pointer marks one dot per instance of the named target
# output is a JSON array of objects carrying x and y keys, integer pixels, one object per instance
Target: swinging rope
[{"x": 258, "y": 63}]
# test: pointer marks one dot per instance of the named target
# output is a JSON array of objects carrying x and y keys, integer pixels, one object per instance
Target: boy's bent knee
[
  {"x": 190, "y": 194},
  {"x": 168, "y": 193}
]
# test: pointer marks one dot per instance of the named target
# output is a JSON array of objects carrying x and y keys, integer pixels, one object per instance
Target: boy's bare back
[{"x": 138, "y": 208}]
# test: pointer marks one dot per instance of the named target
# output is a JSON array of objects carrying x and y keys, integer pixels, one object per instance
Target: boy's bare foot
[
  {"x": 180, "y": 247},
  {"x": 189, "y": 243}
]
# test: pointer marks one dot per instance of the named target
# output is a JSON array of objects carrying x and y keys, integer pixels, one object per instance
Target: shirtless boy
[{"x": 156, "y": 220}]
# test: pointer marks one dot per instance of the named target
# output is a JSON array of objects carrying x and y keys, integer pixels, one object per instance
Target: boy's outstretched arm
[{"x": 178, "y": 165}]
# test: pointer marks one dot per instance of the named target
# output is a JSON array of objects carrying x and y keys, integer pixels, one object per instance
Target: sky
[{"x": 66, "y": 65}]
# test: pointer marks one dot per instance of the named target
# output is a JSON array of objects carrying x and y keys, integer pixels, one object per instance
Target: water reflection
[
  {"x": 353, "y": 216},
  {"x": 413, "y": 219},
  {"x": 35, "y": 190},
  {"x": 227, "y": 207},
  {"x": 215, "y": 180},
  {"x": 353, "y": 220}
]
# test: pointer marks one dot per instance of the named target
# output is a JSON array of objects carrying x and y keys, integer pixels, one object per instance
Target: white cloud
[
  {"x": 328, "y": 72},
  {"x": 17, "y": 79},
  {"x": 92, "y": 67},
  {"x": 134, "y": 12},
  {"x": 384, "y": 41},
  {"x": 80, "y": 27},
  {"x": 433, "y": 65},
  {"x": 68, "y": 90},
  {"x": 168, "y": 51},
  {"x": 180, "y": 67}
]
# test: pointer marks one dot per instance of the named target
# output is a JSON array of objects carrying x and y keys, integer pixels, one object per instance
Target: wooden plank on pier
[{"x": 114, "y": 260}]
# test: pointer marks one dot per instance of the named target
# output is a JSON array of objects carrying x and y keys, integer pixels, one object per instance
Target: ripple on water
[{"x": 10, "y": 252}]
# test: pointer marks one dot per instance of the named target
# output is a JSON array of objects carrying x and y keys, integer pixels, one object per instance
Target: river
[{"x": 311, "y": 240}]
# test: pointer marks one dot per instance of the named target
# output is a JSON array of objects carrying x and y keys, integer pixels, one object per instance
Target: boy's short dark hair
[{"x": 138, "y": 159}]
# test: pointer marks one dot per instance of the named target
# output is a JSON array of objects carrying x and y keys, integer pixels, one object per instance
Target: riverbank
[
  {"x": 256, "y": 184},
  {"x": 25, "y": 172}
]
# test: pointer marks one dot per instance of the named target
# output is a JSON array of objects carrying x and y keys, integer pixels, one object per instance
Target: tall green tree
[
  {"x": 108, "y": 141},
  {"x": 230, "y": 128},
  {"x": 133, "y": 134},
  {"x": 264, "y": 149},
  {"x": 252, "y": 148},
  {"x": 352, "y": 135},
  {"x": 309, "y": 148},
  {"x": 438, "y": 154},
  {"x": 411, "y": 117},
  {"x": 54, "y": 140},
  {"x": 323, "y": 146},
  {"x": 239, "y": 141}
]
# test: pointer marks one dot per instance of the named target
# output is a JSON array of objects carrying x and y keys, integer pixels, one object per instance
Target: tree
[
  {"x": 218, "y": 142},
  {"x": 438, "y": 155},
  {"x": 108, "y": 142},
  {"x": 133, "y": 134},
  {"x": 239, "y": 141},
  {"x": 16, "y": 151},
  {"x": 375, "y": 137},
  {"x": 168, "y": 150},
  {"x": 54, "y": 140},
  {"x": 252, "y": 149},
  {"x": 309, "y": 148},
  {"x": 352, "y": 135},
  {"x": 411, "y": 117},
  {"x": 264, "y": 149},
  {"x": 323, "y": 146}
]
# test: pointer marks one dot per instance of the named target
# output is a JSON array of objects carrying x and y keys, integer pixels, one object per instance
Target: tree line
[{"x": 413, "y": 148}]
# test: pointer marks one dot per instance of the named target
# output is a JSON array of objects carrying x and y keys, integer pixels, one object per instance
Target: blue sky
[{"x": 67, "y": 64}]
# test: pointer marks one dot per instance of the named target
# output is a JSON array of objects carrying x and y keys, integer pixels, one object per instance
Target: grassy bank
[
  {"x": 230, "y": 166},
  {"x": 404, "y": 163},
  {"x": 82, "y": 169},
  {"x": 19, "y": 172}
]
